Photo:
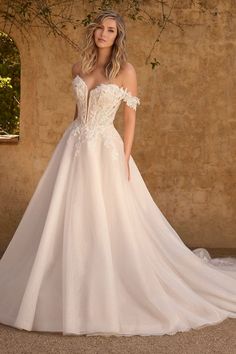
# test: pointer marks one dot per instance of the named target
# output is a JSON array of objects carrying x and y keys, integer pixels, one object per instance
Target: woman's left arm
[{"x": 129, "y": 113}]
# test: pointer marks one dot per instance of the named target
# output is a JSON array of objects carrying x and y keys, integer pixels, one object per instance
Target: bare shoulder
[
  {"x": 75, "y": 69},
  {"x": 129, "y": 70},
  {"x": 129, "y": 78}
]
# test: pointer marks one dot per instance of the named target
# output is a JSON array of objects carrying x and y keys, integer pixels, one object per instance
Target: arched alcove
[{"x": 9, "y": 90}]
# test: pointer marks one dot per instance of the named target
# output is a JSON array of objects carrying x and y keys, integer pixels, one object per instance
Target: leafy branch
[{"x": 58, "y": 17}]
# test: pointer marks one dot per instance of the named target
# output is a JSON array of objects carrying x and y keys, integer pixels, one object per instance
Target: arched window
[{"x": 9, "y": 90}]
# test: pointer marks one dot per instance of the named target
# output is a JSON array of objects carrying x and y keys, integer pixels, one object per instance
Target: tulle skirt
[{"x": 93, "y": 254}]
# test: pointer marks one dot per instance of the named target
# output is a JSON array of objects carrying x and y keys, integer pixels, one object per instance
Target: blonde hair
[{"x": 118, "y": 54}]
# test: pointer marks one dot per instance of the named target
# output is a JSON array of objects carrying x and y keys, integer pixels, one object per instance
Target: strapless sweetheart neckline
[{"x": 99, "y": 85}]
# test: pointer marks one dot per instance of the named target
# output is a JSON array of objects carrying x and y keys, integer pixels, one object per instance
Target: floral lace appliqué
[
  {"x": 131, "y": 101},
  {"x": 85, "y": 133},
  {"x": 96, "y": 113}
]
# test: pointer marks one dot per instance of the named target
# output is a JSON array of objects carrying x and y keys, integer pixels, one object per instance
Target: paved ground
[{"x": 217, "y": 339}]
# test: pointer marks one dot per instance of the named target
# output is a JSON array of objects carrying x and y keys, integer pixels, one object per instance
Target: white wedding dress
[{"x": 94, "y": 255}]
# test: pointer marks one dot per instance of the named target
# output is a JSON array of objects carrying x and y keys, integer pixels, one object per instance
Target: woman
[{"x": 93, "y": 254}]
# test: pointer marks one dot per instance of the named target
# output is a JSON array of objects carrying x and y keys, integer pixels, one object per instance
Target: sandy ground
[{"x": 220, "y": 339}]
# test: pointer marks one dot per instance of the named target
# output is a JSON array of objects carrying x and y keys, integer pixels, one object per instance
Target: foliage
[
  {"x": 9, "y": 85},
  {"x": 58, "y": 17}
]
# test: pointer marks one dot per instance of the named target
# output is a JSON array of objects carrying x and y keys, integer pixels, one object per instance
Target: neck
[{"x": 104, "y": 55}]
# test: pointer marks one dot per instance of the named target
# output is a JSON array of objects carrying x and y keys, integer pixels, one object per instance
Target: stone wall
[{"x": 185, "y": 137}]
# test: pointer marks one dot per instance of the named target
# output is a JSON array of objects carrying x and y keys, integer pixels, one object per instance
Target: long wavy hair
[{"x": 89, "y": 51}]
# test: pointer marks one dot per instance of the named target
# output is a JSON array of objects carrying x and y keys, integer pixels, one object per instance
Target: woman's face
[{"x": 105, "y": 34}]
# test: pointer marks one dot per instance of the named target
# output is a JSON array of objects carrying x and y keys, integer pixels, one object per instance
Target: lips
[{"x": 102, "y": 40}]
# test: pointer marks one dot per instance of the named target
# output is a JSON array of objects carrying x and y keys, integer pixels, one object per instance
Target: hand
[{"x": 127, "y": 169}]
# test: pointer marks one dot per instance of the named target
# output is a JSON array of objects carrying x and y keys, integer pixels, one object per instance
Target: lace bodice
[
  {"x": 97, "y": 109},
  {"x": 101, "y": 103}
]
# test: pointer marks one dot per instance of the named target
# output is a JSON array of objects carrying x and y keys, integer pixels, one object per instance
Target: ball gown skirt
[{"x": 94, "y": 255}]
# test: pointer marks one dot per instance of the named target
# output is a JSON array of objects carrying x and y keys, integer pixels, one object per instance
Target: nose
[{"x": 103, "y": 31}]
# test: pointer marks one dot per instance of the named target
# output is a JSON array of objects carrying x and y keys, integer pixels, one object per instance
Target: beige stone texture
[{"x": 185, "y": 136}]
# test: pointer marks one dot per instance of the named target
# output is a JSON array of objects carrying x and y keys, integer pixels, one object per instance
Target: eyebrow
[{"x": 109, "y": 26}]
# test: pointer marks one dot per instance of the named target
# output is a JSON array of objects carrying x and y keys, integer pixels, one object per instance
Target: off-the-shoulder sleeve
[{"x": 130, "y": 100}]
